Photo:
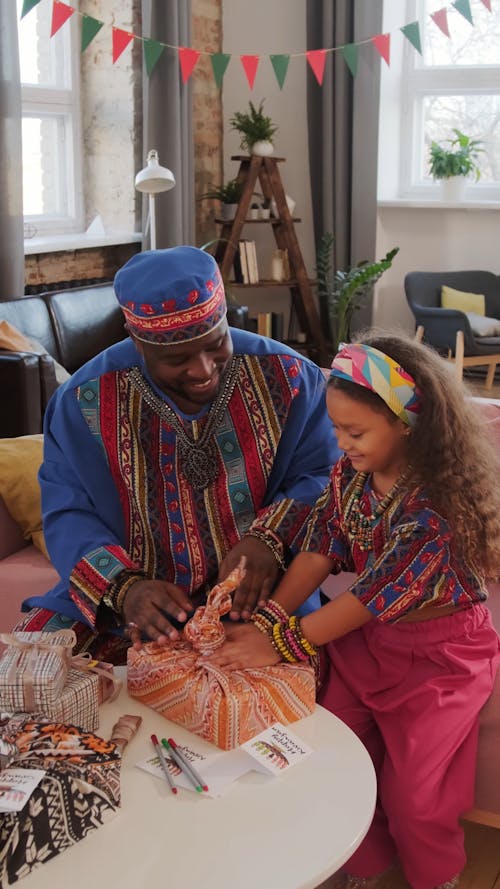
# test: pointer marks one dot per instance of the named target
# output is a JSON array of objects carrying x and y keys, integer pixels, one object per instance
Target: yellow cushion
[
  {"x": 20, "y": 460},
  {"x": 462, "y": 301},
  {"x": 12, "y": 339}
]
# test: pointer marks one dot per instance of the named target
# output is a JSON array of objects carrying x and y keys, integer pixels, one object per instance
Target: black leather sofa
[{"x": 73, "y": 325}]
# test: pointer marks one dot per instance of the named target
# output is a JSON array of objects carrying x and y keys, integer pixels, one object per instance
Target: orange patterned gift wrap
[{"x": 226, "y": 707}]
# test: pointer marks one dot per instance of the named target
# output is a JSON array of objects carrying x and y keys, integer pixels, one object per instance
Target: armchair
[{"x": 449, "y": 330}]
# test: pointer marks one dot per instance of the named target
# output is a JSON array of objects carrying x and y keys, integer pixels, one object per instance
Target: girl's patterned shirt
[{"x": 411, "y": 562}]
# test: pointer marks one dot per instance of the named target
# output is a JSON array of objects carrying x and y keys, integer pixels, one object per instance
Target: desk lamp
[{"x": 152, "y": 180}]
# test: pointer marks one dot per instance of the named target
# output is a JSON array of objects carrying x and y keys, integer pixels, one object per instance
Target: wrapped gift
[
  {"x": 78, "y": 703},
  {"x": 226, "y": 707},
  {"x": 79, "y": 791},
  {"x": 33, "y": 669}
]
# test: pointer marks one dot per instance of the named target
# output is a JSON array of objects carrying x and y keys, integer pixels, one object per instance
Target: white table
[{"x": 286, "y": 832}]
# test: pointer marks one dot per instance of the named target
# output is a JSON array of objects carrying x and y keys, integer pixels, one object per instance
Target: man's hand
[
  {"x": 245, "y": 646},
  {"x": 145, "y": 606},
  {"x": 262, "y": 572}
]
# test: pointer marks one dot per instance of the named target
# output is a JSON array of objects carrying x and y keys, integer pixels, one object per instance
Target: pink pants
[{"x": 412, "y": 692}]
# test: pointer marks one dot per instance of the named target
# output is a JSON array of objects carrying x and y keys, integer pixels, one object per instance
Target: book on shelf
[
  {"x": 270, "y": 324},
  {"x": 248, "y": 259}
]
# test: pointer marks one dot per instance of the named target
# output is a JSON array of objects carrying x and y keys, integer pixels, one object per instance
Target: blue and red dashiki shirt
[
  {"x": 112, "y": 495},
  {"x": 411, "y": 562}
]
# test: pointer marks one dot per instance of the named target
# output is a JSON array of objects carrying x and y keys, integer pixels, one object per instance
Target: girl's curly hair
[{"x": 449, "y": 449}]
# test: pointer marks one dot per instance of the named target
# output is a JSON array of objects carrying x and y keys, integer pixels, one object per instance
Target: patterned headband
[{"x": 377, "y": 371}]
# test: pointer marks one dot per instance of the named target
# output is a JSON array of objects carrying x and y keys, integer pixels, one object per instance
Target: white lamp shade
[{"x": 154, "y": 178}]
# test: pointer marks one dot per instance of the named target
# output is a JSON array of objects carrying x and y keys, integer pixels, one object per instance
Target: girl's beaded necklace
[{"x": 359, "y": 524}]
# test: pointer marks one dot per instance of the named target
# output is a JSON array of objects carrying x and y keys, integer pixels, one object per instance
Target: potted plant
[
  {"x": 253, "y": 213},
  {"x": 342, "y": 292},
  {"x": 229, "y": 195},
  {"x": 256, "y": 130},
  {"x": 454, "y": 164}
]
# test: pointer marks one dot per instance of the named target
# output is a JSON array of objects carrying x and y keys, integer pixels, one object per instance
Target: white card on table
[{"x": 276, "y": 749}]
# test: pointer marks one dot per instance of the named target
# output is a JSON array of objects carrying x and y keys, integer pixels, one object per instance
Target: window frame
[
  {"x": 419, "y": 81},
  {"x": 63, "y": 104}
]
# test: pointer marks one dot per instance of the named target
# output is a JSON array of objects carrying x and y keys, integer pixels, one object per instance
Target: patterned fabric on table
[
  {"x": 224, "y": 707},
  {"x": 80, "y": 791}
]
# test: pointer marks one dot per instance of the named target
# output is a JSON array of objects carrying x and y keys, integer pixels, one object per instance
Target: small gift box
[
  {"x": 79, "y": 791},
  {"x": 78, "y": 703},
  {"x": 33, "y": 669},
  {"x": 109, "y": 685},
  {"x": 226, "y": 707}
]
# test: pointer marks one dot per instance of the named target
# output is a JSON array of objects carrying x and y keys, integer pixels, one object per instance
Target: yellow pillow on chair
[
  {"x": 462, "y": 301},
  {"x": 20, "y": 460}
]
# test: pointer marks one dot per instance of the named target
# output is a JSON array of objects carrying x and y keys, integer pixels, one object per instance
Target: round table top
[{"x": 286, "y": 832}]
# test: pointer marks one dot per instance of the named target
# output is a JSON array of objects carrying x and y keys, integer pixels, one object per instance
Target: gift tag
[
  {"x": 16, "y": 787},
  {"x": 275, "y": 749}
]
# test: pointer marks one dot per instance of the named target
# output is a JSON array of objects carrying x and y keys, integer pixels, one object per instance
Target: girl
[{"x": 413, "y": 507}]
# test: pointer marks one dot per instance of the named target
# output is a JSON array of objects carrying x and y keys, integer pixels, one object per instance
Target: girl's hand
[
  {"x": 245, "y": 646},
  {"x": 261, "y": 574}
]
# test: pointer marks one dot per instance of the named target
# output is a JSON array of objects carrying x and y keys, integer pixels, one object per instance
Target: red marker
[
  {"x": 182, "y": 756},
  {"x": 163, "y": 763}
]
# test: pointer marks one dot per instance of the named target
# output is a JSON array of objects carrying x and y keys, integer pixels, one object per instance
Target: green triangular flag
[
  {"x": 28, "y": 6},
  {"x": 412, "y": 33},
  {"x": 220, "y": 61},
  {"x": 152, "y": 52},
  {"x": 280, "y": 65},
  {"x": 463, "y": 7},
  {"x": 90, "y": 28},
  {"x": 351, "y": 53}
]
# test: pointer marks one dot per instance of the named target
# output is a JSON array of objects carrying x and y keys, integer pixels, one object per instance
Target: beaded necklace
[
  {"x": 359, "y": 524},
  {"x": 197, "y": 457}
]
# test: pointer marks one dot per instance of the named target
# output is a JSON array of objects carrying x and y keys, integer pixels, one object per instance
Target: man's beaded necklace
[
  {"x": 359, "y": 524},
  {"x": 197, "y": 457}
]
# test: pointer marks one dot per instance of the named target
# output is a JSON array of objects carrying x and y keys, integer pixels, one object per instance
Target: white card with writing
[
  {"x": 16, "y": 787},
  {"x": 216, "y": 769},
  {"x": 276, "y": 749}
]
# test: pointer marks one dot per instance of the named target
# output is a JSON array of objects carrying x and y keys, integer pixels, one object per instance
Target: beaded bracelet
[
  {"x": 115, "y": 597},
  {"x": 273, "y": 543},
  {"x": 267, "y": 615},
  {"x": 290, "y": 643}
]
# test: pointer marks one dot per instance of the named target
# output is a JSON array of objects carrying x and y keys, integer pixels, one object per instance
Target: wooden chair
[{"x": 461, "y": 360}]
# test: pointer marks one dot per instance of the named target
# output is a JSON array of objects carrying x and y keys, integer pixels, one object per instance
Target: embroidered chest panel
[{"x": 178, "y": 532}]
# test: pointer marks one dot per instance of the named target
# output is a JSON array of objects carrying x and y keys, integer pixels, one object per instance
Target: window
[
  {"x": 51, "y": 133},
  {"x": 455, "y": 83}
]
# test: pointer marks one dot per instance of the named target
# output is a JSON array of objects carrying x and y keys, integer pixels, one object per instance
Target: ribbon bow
[{"x": 205, "y": 631}]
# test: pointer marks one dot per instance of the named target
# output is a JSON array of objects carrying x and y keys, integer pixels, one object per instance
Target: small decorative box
[
  {"x": 78, "y": 703},
  {"x": 79, "y": 791},
  {"x": 33, "y": 669}
]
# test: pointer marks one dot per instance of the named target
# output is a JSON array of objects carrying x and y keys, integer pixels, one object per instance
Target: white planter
[
  {"x": 453, "y": 189},
  {"x": 262, "y": 149},
  {"x": 228, "y": 211},
  {"x": 265, "y": 212},
  {"x": 253, "y": 213}
]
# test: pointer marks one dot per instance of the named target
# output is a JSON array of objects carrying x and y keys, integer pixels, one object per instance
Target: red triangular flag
[
  {"x": 441, "y": 19},
  {"x": 250, "y": 65},
  {"x": 121, "y": 40},
  {"x": 317, "y": 59},
  {"x": 187, "y": 59},
  {"x": 487, "y": 3},
  {"x": 60, "y": 14},
  {"x": 382, "y": 42}
]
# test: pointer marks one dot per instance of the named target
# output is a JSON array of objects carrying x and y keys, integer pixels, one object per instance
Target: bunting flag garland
[
  {"x": 152, "y": 52},
  {"x": 220, "y": 61},
  {"x": 463, "y": 7},
  {"x": 382, "y": 43},
  {"x": 441, "y": 19},
  {"x": 351, "y": 54},
  {"x": 280, "y": 65},
  {"x": 317, "y": 61},
  {"x": 250, "y": 65},
  {"x": 121, "y": 40},
  {"x": 188, "y": 56},
  {"x": 60, "y": 14},
  {"x": 412, "y": 33},
  {"x": 28, "y": 6},
  {"x": 187, "y": 60},
  {"x": 90, "y": 27}
]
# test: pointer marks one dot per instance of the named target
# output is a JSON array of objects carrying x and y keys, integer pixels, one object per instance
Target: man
[{"x": 172, "y": 454}]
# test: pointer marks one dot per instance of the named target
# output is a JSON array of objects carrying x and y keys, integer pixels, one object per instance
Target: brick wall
[{"x": 44, "y": 269}]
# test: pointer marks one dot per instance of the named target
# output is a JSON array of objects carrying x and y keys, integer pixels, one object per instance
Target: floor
[{"x": 483, "y": 862}]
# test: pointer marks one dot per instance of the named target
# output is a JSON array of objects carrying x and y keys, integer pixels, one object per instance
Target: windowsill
[
  {"x": 78, "y": 241},
  {"x": 437, "y": 204}
]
